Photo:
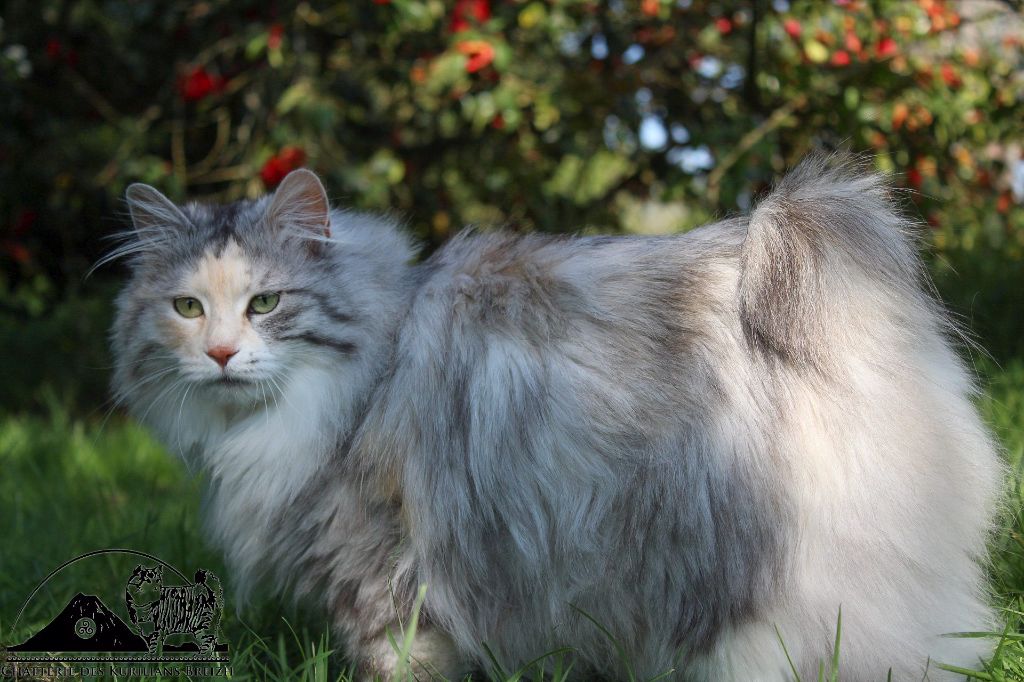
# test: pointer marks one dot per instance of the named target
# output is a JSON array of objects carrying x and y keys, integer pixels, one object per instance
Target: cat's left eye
[
  {"x": 263, "y": 303},
  {"x": 188, "y": 306}
]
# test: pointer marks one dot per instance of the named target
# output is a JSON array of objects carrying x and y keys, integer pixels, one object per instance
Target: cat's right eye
[{"x": 188, "y": 306}]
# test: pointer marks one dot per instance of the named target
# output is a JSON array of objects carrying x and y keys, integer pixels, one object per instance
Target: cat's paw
[{"x": 433, "y": 657}]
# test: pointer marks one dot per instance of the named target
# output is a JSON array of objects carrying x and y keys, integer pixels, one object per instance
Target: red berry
[
  {"x": 479, "y": 53},
  {"x": 272, "y": 172},
  {"x": 275, "y": 37},
  {"x": 886, "y": 47},
  {"x": 198, "y": 83},
  {"x": 900, "y": 112},
  {"x": 793, "y": 28},
  {"x": 840, "y": 58},
  {"x": 723, "y": 25},
  {"x": 54, "y": 49},
  {"x": 478, "y": 10},
  {"x": 1003, "y": 203},
  {"x": 950, "y": 76},
  {"x": 281, "y": 164}
]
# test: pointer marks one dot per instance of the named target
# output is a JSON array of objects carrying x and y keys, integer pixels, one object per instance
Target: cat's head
[{"x": 229, "y": 304}]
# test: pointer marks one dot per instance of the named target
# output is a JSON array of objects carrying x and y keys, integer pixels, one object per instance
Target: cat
[{"x": 710, "y": 445}]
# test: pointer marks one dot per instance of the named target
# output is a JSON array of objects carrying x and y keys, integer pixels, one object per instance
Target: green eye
[
  {"x": 263, "y": 303},
  {"x": 188, "y": 306}
]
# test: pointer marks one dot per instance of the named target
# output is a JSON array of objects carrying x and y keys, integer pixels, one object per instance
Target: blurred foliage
[
  {"x": 562, "y": 115},
  {"x": 59, "y": 358}
]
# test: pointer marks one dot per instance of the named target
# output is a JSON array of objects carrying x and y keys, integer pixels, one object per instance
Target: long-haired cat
[{"x": 708, "y": 444}]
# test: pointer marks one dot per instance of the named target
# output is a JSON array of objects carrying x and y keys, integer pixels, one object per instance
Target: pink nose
[{"x": 221, "y": 354}]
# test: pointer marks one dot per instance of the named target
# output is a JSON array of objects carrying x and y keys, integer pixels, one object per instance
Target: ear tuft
[
  {"x": 301, "y": 202},
  {"x": 152, "y": 210}
]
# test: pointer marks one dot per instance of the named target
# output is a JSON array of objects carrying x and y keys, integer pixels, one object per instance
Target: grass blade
[
  {"x": 619, "y": 650},
  {"x": 789, "y": 659},
  {"x": 835, "y": 647}
]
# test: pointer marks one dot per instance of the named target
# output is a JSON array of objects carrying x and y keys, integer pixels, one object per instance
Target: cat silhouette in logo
[{"x": 158, "y": 611}]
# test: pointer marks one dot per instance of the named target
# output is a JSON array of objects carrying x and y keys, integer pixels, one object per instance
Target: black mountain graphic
[{"x": 109, "y": 634}]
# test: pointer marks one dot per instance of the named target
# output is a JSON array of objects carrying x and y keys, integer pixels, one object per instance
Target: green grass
[
  {"x": 1003, "y": 407},
  {"x": 71, "y": 484}
]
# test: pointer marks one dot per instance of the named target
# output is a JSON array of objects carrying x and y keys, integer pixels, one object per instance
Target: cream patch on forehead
[{"x": 222, "y": 278}]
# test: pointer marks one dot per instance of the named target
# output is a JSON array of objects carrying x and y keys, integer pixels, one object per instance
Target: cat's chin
[{"x": 235, "y": 392}]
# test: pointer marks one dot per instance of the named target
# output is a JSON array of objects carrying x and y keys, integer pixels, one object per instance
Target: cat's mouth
[{"x": 225, "y": 380}]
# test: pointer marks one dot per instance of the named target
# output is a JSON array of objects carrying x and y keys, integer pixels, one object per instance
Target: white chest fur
[{"x": 260, "y": 464}]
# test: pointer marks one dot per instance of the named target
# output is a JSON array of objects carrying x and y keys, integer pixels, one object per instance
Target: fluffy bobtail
[
  {"x": 891, "y": 473},
  {"x": 828, "y": 228}
]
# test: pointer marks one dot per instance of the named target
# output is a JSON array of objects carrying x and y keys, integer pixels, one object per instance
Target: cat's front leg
[
  {"x": 433, "y": 656},
  {"x": 371, "y": 598}
]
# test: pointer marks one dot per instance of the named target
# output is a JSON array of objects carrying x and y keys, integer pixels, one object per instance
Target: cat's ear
[
  {"x": 301, "y": 202},
  {"x": 152, "y": 210}
]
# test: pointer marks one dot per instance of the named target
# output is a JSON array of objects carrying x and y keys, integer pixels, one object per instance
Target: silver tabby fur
[{"x": 701, "y": 442}]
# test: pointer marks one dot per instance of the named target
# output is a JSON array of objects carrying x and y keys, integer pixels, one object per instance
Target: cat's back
[
  {"x": 542, "y": 289},
  {"x": 605, "y": 342}
]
